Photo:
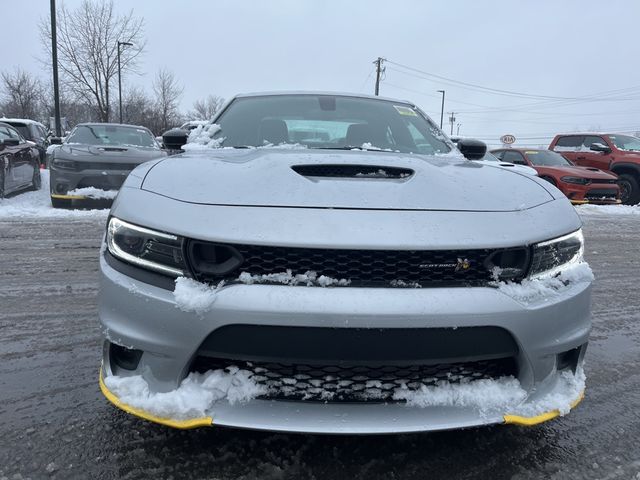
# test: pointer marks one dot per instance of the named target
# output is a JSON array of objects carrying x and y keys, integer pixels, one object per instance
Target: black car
[
  {"x": 33, "y": 131},
  {"x": 19, "y": 162}
]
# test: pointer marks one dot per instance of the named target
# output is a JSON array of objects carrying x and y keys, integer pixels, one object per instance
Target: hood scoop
[{"x": 352, "y": 171}]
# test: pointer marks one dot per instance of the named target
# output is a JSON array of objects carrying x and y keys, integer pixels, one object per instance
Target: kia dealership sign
[{"x": 508, "y": 139}]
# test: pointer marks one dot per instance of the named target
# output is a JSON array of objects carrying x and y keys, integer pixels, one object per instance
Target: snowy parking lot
[{"x": 56, "y": 422}]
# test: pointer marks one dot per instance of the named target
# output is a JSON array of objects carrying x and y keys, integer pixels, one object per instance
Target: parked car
[
  {"x": 19, "y": 162},
  {"x": 579, "y": 184},
  {"x": 32, "y": 131},
  {"x": 333, "y": 286},
  {"x": 95, "y": 158},
  {"x": 612, "y": 152}
]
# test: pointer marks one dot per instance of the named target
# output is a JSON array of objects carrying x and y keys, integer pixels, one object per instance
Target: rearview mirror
[
  {"x": 472, "y": 149},
  {"x": 175, "y": 138},
  {"x": 55, "y": 141},
  {"x": 598, "y": 147}
]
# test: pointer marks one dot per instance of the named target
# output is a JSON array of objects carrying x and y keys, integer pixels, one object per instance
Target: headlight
[
  {"x": 64, "y": 164},
  {"x": 577, "y": 180},
  {"x": 549, "y": 257},
  {"x": 146, "y": 248}
]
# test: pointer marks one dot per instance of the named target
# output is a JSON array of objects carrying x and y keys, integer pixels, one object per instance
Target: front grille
[
  {"x": 601, "y": 193},
  {"x": 604, "y": 181},
  {"x": 340, "y": 383},
  {"x": 104, "y": 182},
  {"x": 361, "y": 268},
  {"x": 80, "y": 166}
]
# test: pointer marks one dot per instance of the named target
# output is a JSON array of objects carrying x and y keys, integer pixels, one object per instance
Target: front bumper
[
  {"x": 138, "y": 315},
  {"x": 597, "y": 194},
  {"x": 63, "y": 181}
]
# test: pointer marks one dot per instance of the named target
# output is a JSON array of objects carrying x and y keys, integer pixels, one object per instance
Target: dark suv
[
  {"x": 612, "y": 152},
  {"x": 32, "y": 131}
]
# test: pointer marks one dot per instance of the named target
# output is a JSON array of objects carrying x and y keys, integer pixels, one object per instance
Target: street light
[
  {"x": 120, "y": 44},
  {"x": 442, "y": 108}
]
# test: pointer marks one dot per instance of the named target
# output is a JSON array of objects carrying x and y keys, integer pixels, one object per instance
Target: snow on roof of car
[{"x": 21, "y": 120}]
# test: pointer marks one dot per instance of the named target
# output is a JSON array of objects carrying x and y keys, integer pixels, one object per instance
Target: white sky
[{"x": 551, "y": 48}]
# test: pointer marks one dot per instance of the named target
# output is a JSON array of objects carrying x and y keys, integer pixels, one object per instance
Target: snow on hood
[{"x": 264, "y": 177}]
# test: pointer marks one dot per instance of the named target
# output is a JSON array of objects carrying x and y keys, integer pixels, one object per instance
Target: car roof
[
  {"x": 20, "y": 120},
  {"x": 101, "y": 124},
  {"x": 335, "y": 94}
]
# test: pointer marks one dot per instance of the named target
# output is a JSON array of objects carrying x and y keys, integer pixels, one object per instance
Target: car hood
[
  {"x": 265, "y": 177},
  {"x": 583, "y": 172},
  {"x": 107, "y": 153}
]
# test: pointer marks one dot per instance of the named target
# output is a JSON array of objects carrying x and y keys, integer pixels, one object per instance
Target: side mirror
[
  {"x": 175, "y": 138},
  {"x": 472, "y": 149},
  {"x": 598, "y": 147},
  {"x": 55, "y": 141}
]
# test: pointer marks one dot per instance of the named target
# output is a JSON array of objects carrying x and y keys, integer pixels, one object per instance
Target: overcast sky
[{"x": 567, "y": 50}]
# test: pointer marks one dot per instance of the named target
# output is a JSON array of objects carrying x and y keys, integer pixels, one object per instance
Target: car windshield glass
[
  {"x": 328, "y": 122},
  {"x": 626, "y": 142},
  {"x": 112, "y": 135},
  {"x": 546, "y": 158},
  {"x": 22, "y": 128},
  {"x": 489, "y": 157}
]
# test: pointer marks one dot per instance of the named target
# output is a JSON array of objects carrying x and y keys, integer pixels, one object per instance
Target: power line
[{"x": 498, "y": 91}]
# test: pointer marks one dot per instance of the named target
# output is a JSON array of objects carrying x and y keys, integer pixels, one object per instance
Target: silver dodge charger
[{"x": 330, "y": 263}]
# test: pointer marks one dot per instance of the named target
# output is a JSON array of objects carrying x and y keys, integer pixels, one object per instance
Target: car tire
[
  {"x": 60, "y": 202},
  {"x": 550, "y": 180},
  {"x": 36, "y": 181},
  {"x": 629, "y": 189}
]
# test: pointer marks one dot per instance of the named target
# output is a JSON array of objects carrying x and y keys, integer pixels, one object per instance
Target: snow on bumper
[
  {"x": 215, "y": 398},
  {"x": 141, "y": 316}
]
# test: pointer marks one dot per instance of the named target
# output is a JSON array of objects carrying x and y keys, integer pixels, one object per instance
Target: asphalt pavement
[{"x": 54, "y": 422}]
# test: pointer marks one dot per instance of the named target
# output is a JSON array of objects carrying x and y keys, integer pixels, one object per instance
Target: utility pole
[
  {"x": 458, "y": 129},
  {"x": 441, "y": 108},
  {"x": 54, "y": 61},
  {"x": 379, "y": 72},
  {"x": 120, "y": 44},
  {"x": 452, "y": 120}
]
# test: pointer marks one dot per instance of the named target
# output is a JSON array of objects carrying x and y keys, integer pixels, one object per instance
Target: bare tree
[
  {"x": 22, "y": 95},
  {"x": 88, "y": 49},
  {"x": 167, "y": 91},
  {"x": 206, "y": 108},
  {"x": 138, "y": 108}
]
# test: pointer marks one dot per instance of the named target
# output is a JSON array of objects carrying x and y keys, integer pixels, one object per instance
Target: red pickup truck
[{"x": 611, "y": 152}]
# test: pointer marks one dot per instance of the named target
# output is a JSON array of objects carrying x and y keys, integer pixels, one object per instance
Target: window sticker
[
  {"x": 402, "y": 110},
  {"x": 531, "y": 152}
]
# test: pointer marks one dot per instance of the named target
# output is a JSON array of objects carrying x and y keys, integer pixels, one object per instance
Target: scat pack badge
[{"x": 461, "y": 265}]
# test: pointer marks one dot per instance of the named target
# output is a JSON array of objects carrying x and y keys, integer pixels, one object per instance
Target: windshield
[
  {"x": 328, "y": 122},
  {"x": 22, "y": 128},
  {"x": 626, "y": 142},
  {"x": 546, "y": 158},
  {"x": 489, "y": 157},
  {"x": 111, "y": 135}
]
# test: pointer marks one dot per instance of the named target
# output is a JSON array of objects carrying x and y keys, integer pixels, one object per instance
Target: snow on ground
[
  {"x": 539, "y": 289},
  {"x": 192, "y": 399},
  {"x": 600, "y": 210},
  {"x": 37, "y": 204}
]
